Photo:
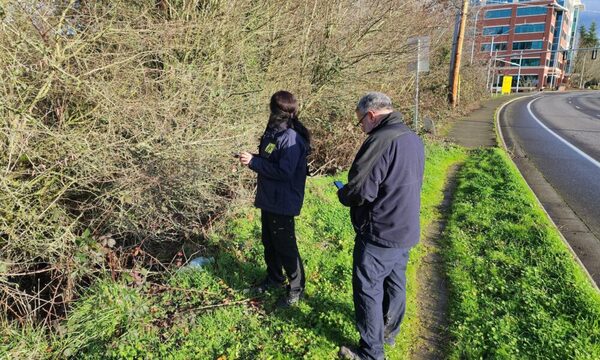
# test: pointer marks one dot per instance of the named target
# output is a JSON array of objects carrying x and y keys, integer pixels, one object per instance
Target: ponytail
[{"x": 299, "y": 127}]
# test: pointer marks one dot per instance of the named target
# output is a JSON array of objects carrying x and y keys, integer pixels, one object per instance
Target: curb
[{"x": 502, "y": 144}]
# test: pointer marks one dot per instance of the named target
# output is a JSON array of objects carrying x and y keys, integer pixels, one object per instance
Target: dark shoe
[
  {"x": 391, "y": 342},
  {"x": 348, "y": 353},
  {"x": 267, "y": 285},
  {"x": 388, "y": 339},
  {"x": 292, "y": 298}
]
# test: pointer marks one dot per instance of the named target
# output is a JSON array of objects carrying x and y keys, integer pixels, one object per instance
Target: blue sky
[{"x": 591, "y": 13}]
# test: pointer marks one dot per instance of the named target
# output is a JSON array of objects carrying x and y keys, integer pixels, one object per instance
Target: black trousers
[
  {"x": 379, "y": 289},
  {"x": 281, "y": 250}
]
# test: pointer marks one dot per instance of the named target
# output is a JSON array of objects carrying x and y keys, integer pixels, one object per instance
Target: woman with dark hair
[{"x": 282, "y": 169}]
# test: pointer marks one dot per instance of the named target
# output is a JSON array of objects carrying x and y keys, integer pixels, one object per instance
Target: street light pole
[
  {"x": 487, "y": 83},
  {"x": 474, "y": 34},
  {"x": 493, "y": 73},
  {"x": 490, "y": 62},
  {"x": 582, "y": 74},
  {"x": 519, "y": 74}
]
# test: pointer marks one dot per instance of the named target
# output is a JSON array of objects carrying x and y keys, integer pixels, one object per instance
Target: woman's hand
[{"x": 245, "y": 158}]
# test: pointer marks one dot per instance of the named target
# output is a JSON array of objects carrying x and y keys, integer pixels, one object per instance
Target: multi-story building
[{"x": 538, "y": 34}]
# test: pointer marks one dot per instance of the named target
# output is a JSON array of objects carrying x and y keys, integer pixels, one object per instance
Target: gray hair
[{"x": 374, "y": 101}]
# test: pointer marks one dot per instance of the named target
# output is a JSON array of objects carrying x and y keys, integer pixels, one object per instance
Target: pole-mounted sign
[{"x": 420, "y": 64}]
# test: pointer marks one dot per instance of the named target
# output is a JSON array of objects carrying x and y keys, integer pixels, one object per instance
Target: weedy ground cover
[
  {"x": 209, "y": 313},
  {"x": 516, "y": 292}
]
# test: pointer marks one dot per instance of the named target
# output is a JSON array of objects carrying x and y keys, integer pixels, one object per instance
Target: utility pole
[
  {"x": 458, "y": 54},
  {"x": 454, "y": 44},
  {"x": 519, "y": 75}
]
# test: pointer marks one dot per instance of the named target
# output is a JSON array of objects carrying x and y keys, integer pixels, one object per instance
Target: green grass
[
  {"x": 113, "y": 320},
  {"x": 516, "y": 291}
]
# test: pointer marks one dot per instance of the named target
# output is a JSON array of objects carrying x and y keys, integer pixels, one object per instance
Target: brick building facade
[{"x": 538, "y": 34}]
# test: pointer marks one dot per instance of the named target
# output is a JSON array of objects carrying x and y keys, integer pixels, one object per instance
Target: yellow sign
[{"x": 506, "y": 84}]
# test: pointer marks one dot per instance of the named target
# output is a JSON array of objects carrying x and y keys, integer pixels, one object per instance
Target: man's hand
[{"x": 245, "y": 158}]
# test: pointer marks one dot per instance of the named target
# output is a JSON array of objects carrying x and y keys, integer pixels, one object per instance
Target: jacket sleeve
[
  {"x": 366, "y": 192},
  {"x": 283, "y": 169}
]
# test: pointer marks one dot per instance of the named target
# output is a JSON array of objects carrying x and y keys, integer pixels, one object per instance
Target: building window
[
  {"x": 528, "y": 45},
  {"x": 526, "y": 81},
  {"x": 496, "y": 30},
  {"x": 530, "y": 28},
  {"x": 529, "y": 62},
  {"x": 529, "y": 11},
  {"x": 497, "y": 47},
  {"x": 496, "y": 14}
]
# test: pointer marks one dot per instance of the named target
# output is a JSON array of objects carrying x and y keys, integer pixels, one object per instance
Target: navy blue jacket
[
  {"x": 281, "y": 168},
  {"x": 385, "y": 201}
]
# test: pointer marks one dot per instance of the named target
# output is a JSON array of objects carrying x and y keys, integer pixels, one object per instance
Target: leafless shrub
[{"x": 117, "y": 118}]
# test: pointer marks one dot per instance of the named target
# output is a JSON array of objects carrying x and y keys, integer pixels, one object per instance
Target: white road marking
[
  {"x": 577, "y": 107},
  {"x": 573, "y": 147}
]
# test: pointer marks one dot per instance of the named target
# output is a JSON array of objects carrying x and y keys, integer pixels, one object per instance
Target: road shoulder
[{"x": 575, "y": 234}]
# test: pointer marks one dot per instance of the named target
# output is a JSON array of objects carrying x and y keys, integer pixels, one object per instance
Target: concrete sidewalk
[{"x": 477, "y": 129}]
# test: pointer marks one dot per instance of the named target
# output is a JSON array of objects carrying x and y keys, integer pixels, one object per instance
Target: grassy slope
[
  {"x": 517, "y": 293},
  {"x": 112, "y": 320}
]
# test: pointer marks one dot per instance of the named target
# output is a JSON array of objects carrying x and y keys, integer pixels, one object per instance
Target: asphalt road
[{"x": 559, "y": 134}]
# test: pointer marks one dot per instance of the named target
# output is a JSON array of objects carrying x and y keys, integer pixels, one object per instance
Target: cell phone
[
  {"x": 235, "y": 155},
  {"x": 338, "y": 184}
]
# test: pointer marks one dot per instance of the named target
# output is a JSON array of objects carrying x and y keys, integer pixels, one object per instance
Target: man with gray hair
[{"x": 383, "y": 193}]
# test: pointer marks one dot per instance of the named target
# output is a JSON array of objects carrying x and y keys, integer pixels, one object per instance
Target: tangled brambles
[{"x": 118, "y": 118}]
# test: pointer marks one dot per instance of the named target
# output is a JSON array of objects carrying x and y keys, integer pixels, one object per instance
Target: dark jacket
[
  {"x": 384, "y": 185},
  {"x": 281, "y": 168}
]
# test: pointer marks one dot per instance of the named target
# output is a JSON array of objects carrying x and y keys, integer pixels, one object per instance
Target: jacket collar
[
  {"x": 276, "y": 129},
  {"x": 392, "y": 118}
]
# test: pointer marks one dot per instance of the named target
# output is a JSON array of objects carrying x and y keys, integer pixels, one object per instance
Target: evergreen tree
[
  {"x": 588, "y": 37},
  {"x": 593, "y": 35}
]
